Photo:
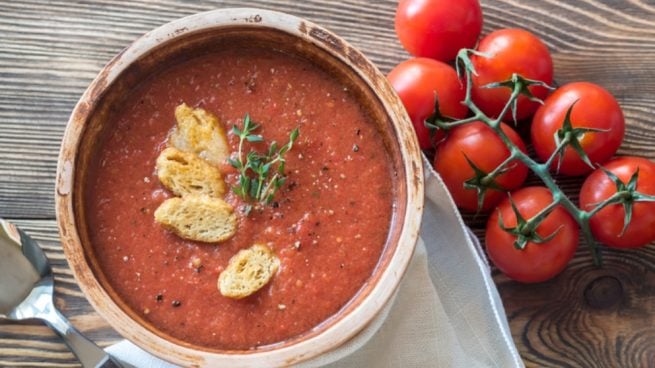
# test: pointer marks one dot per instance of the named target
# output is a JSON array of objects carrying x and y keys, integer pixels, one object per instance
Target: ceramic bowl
[{"x": 190, "y": 36}]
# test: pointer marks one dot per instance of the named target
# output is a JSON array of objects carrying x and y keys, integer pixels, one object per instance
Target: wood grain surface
[{"x": 586, "y": 317}]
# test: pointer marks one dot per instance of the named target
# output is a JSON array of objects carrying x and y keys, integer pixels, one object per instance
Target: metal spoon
[{"x": 26, "y": 289}]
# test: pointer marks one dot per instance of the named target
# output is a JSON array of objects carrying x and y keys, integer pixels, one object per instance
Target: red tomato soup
[{"x": 328, "y": 224}]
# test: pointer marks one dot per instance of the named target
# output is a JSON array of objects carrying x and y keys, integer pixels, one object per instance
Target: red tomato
[
  {"x": 510, "y": 51},
  {"x": 486, "y": 150},
  {"x": 607, "y": 224},
  {"x": 595, "y": 108},
  {"x": 535, "y": 262},
  {"x": 438, "y": 29},
  {"x": 417, "y": 81}
]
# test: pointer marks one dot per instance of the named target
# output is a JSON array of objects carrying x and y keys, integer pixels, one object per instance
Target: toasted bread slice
[
  {"x": 248, "y": 271},
  {"x": 185, "y": 173},
  {"x": 198, "y": 131},
  {"x": 198, "y": 217}
]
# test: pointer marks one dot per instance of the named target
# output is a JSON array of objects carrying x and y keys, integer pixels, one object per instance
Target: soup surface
[{"x": 328, "y": 224}]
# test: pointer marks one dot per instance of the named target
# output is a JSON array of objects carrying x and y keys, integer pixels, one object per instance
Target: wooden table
[{"x": 587, "y": 317}]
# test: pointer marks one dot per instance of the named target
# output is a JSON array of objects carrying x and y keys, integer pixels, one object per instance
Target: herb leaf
[
  {"x": 254, "y": 138},
  {"x": 258, "y": 179}
]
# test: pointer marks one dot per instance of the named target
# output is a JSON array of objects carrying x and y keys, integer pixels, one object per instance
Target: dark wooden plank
[
  {"x": 49, "y": 52},
  {"x": 587, "y": 316}
]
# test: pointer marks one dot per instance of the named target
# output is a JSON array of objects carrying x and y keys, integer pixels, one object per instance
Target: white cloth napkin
[{"x": 446, "y": 313}]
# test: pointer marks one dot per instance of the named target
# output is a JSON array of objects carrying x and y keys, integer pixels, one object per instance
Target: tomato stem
[
  {"x": 615, "y": 198},
  {"x": 560, "y": 198},
  {"x": 516, "y": 91},
  {"x": 446, "y": 125},
  {"x": 504, "y": 166},
  {"x": 519, "y": 87},
  {"x": 626, "y": 193},
  {"x": 560, "y": 147}
]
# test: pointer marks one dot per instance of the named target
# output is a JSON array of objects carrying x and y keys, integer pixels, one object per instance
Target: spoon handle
[{"x": 88, "y": 353}]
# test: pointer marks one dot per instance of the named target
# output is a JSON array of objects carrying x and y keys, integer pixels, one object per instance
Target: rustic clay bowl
[{"x": 190, "y": 36}]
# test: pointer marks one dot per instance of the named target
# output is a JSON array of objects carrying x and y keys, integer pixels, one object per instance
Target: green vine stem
[{"x": 520, "y": 87}]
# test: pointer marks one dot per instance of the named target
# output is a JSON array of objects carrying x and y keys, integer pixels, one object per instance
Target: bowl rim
[{"x": 347, "y": 325}]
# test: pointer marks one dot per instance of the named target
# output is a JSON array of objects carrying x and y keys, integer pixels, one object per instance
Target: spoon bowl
[{"x": 26, "y": 292}]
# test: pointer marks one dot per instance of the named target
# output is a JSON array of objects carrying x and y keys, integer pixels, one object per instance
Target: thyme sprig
[{"x": 259, "y": 179}]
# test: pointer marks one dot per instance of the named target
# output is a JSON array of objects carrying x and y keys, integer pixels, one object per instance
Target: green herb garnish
[{"x": 259, "y": 180}]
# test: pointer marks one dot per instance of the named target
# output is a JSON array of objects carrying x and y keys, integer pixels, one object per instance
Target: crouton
[
  {"x": 198, "y": 131},
  {"x": 185, "y": 173},
  {"x": 248, "y": 271},
  {"x": 198, "y": 217}
]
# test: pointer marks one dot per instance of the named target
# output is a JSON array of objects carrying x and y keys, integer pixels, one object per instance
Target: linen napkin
[{"x": 446, "y": 313}]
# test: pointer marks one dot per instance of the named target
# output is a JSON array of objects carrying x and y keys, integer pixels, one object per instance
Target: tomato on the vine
[
  {"x": 438, "y": 29},
  {"x": 509, "y": 51},
  {"x": 481, "y": 145},
  {"x": 595, "y": 108},
  {"x": 607, "y": 225},
  {"x": 536, "y": 262},
  {"x": 418, "y": 82}
]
